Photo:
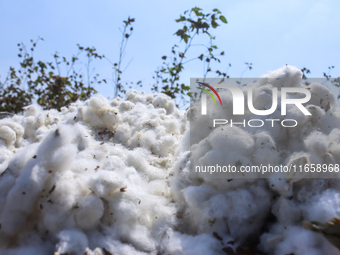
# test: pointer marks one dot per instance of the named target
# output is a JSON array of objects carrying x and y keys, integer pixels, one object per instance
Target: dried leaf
[
  {"x": 217, "y": 236},
  {"x": 51, "y": 190}
]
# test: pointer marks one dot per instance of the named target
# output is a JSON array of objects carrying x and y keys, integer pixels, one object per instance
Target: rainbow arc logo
[{"x": 209, "y": 93}]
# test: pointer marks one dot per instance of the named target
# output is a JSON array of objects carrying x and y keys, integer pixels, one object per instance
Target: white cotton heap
[
  {"x": 265, "y": 213},
  {"x": 91, "y": 178},
  {"x": 112, "y": 177}
]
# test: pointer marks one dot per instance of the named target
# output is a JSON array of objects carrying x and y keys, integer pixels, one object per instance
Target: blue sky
[{"x": 267, "y": 33}]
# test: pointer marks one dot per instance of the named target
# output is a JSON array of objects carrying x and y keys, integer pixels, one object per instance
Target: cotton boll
[
  {"x": 334, "y": 144},
  {"x": 30, "y": 126},
  {"x": 24, "y": 192},
  {"x": 110, "y": 117},
  {"x": 8, "y": 135},
  {"x": 125, "y": 106},
  {"x": 302, "y": 129},
  {"x": 300, "y": 241},
  {"x": 18, "y": 161},
  {"x": 68, "y": 188},
  {"x": 263, "y": 99},
  {"x": 104, "y": 183},
  {"x": 128, "y": 225},
  {"x": 178, "y": 243},
  {"x": 116, "y": 101},
  {"x": 323, "y": 207},
  {"x": 149, "y": 140},
  {"x": 286, "y": 211},
  {"x": 151, "y": 123},
  {"x": 321, "y": 96},
  {"x": 287, "y": 76},
  {"x": 241, "y": 220},
  {"x": 55, "y": 218},
  {"x": 123, "y": 133},
  {"x": 40, "y": 132},
  {"x": 110, "y": 244},
  {"x": 135, "y": 96},
  {"x": 316, "y": 143},
  {"x": 266, "y": 151},
  {"x": 32, "y": 110},
  {"x": 142, "y": 165},
  {"x": 91, "y": 209},
  {"x": 51, "y": 119},
  {"x": 235, "y": 209},
  {"x": 140, "y": 237},
  {"x": 167, "y": 144},
  {"x": 194, "y": 197},
  {"x": 281, "y": 185},
  {"x": 314, "y": 122},
  {"x": 34, "y": 122},
  {"x": 211, "y": 151},
  {"x": 82, "y": 138},
  {"x": 60, "y": 158},
  {"x": 4, "y": 154},
  {"x": 72, "y": 242},
  {"x": 115, "y": 161},
  {"x": 55, "y": 151},
  {"x": 61, "y": 203},
  {"x": 306, "y": 189},
  {"x": 270, "y": 239},
  {"x": 163, "y": 101},
  {"x": 172, "y": 126},
  {"x": 182, "y": 177},
  {"x": 296, "y": 240},
  {"x": 158, "y": 187},
  {"x": 330, "y": 121},
  {"x": 100, "y": 114},
  {"x": 97, "y": 102}
]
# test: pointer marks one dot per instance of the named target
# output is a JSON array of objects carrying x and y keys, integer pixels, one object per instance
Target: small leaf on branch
[{"x": 223, "y": 19}]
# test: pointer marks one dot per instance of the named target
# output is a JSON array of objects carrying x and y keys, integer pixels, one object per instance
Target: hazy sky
[{"x": 267, "y": 33}]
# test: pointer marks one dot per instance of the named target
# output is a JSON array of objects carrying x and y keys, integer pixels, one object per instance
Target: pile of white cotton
[{"x": 112, "y": 177}]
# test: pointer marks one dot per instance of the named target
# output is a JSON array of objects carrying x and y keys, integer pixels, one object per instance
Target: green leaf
[
  {"x": 214, "y": 24},
  {"x": 185, "y": 37},
  {"x": 216, "y": 10},
  {"x": 180, "y": 33},
  {"x": 223, "y": 19},
  {"x": 196, "y": 9},
  {"x": 182, "y": 18}
]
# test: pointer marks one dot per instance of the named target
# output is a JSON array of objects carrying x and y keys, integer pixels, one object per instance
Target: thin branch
[{"x": 127, "y": 65}]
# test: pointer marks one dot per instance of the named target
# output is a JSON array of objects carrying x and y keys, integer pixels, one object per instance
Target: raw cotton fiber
[{"x": 112, "y": 177}]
